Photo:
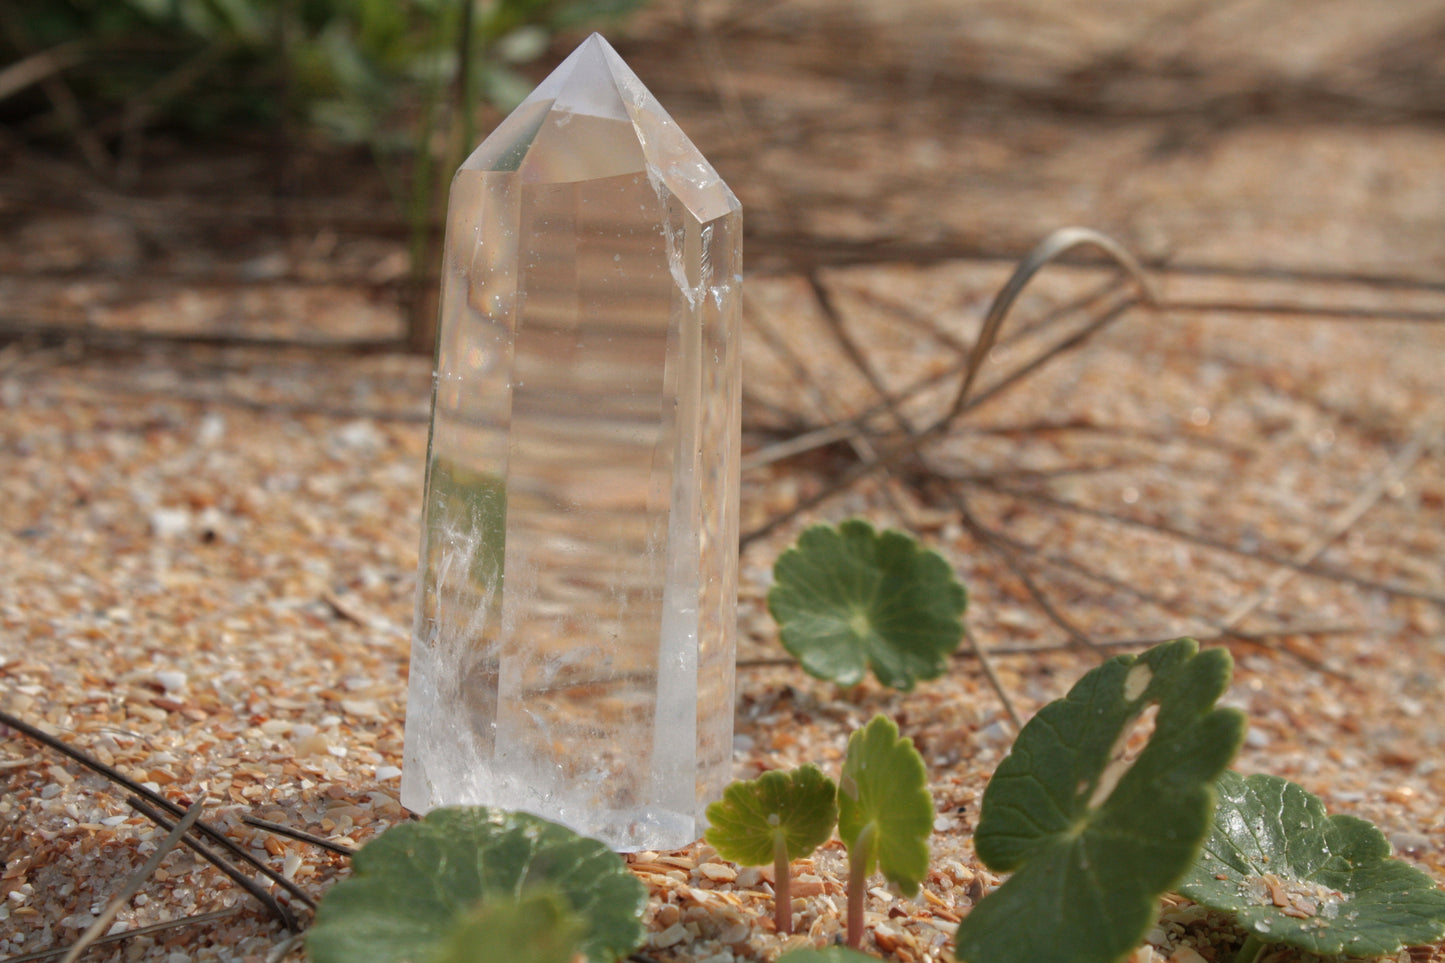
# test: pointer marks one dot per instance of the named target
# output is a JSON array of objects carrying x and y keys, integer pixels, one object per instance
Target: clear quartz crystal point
[{"x": 573, "y": 647}]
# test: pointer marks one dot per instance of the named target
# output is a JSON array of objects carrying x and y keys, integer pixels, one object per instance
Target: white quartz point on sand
[{"x": 573, "y": 646}]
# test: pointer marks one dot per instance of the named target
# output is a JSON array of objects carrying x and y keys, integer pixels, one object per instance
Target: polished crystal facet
[{"x": 573, "y": 646}]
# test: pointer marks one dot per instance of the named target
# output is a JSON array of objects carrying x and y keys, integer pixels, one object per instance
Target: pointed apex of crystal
[
  {"x": 592, "y": 118},
  {"x": 586, "y": 84}
]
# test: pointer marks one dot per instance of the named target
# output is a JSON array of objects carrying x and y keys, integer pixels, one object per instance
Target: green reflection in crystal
[{"x": 473, "y": 503}]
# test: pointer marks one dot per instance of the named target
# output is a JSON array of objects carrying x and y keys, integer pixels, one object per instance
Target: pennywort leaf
[
  {"x": 885, "y": 813},
  {"x": 830, "y": 954},
  {"x": 796, "y": 809},
  {"x": 848, "y": 598},
  {"x": 1292, "y": 874},
  {"x": 417, "y": 883},
  {"x": 1093, "y": 833},
  {"x": 538, "y": 928},
  {"x": 777, "y": 817}
]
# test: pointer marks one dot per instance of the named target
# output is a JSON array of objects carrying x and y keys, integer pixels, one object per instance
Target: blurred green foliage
[
  {"x": 402, "y": 77},
  {"x": 359, "y": 70}
]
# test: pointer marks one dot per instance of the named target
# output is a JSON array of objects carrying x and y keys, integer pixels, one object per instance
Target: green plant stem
[
  {"x": 1251, "y": 951},
  {"x": 782, "y": 886},
  {"x": 859, "y": 856},
  {"x": 466, "y": 100}
]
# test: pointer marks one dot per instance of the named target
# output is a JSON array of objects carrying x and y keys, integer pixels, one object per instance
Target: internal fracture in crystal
[{"x": 573, "y": 646}]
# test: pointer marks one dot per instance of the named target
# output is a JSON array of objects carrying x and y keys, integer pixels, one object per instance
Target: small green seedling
[
  {"x": 830, "y": 954},
  {"x": 777, "y": 817},
  {"x": 1093, "y": 837},
  {"x": 538, "y": 928},
  {"x": 417, "y": 888},
  {"x": 1290, "y": 873},
  {"x": 885, "y": 814},
  {"x": 848, "y": 598}
]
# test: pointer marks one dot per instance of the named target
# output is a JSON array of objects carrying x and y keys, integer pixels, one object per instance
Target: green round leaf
[
  {"x": 830, "y": 954},
  {"x": 1092, "y": 837},
  {"x": 1292, "y": 874},
  {"x": 538, "y": 928},
  {"x": 884, "y": 785},
  {"x": 417, "y": 882},
  {"x": 847, "y": 598},
  {"x": 799, "y": 807}
]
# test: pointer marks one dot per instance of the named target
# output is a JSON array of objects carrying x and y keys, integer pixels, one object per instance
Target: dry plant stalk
[{"x": 133, "y": 885}]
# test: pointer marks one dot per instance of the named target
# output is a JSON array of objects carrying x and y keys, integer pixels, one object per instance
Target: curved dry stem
[{"x": 1049, "y": 249}]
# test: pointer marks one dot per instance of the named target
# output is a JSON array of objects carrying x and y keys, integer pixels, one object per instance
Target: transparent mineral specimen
[{"x": 573, "y": 647}]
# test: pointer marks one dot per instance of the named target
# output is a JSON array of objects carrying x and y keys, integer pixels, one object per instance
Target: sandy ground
[{"x": 208, "y": 550}]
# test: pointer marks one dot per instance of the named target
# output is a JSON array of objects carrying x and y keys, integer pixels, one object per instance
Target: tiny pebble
[
  {"x": 671, "y": 936},
  {"x": 171, "y": 680},
  {"x": 366, "y": 708},
  {"x": 169, "y": 522},
  {"x": 1409, "y": 842}
]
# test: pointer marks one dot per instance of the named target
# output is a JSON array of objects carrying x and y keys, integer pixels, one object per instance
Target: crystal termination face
[{"x": 572, "y": 654}]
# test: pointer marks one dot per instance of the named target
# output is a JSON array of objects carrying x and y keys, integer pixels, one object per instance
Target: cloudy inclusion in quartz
[{"x": 573, "y": 647}]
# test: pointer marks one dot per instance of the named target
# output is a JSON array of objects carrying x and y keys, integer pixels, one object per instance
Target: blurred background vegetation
[
  {"x": 402, "y": 78},
  {"x": 354, "y": 70}
]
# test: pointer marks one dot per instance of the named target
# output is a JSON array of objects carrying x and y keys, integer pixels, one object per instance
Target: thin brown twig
[
  {"x": 221, "y": 398},
  {"x": 36, "y": 67},
  {"x": 145, "y": 104},
  {"x": 1428, "y": 436},
  {"x": 851, "y": 349},
  {"x": 841, "y": 253},
  {"x": 1281, "y": 311},
  {"x": 985, "y": 662},
  {"x": 862, "y": 470},
  {"x": 1021, "y": 572},
  {"x": 1046, "y": 648},
  {"x": 715, "y": 68},
  {"x": 86, "y": 334},
  {"x": 828, "y": 434},
  {"x": 43, "y": 956},
  {"x": 1116, "y": 464},
  {"x": 282, "y": 914},
  {"x": 1223, "y": 630},
  {"x": 819, "y": 396},
  {"x": 1174, "y": 436},
  {"x": 62, "y": 98},
  {"x": 1206, "y": 541},
  {"x": 862, "y": 445},
  {"x": 1076, "y": 568},
  {"x": 115, "y": 776},
  {"x": 305, "y": 837},
  {"x": 138, "y": 879}
]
